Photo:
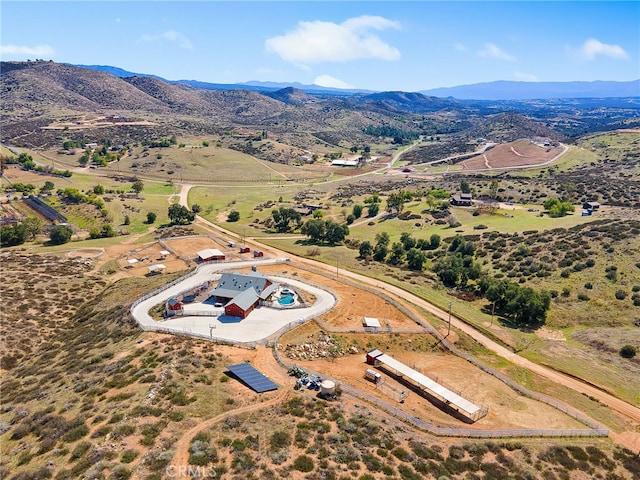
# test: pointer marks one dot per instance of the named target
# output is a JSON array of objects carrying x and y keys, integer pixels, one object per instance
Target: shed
[
  {"x": 174, "y": 304},
  {"x": 591, "y": 206},
  {"x": 209, "y": 254},
  {"x": 244, "y": 249},
  {"x": 165, "y": 253},
  {"x": 371, "y": 322},
  {"x": 258, "y": 253},
  {"x": 157, "y": 268},
  {"x": 372, "y": 356}
]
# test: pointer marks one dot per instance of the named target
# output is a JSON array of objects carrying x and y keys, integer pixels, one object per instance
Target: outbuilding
[
  {"x": 244, "y": 249},
  {"x": 591, "y": 206},
  {"x": 210, "y": 254},
  {"x": 372, "y": 356}
]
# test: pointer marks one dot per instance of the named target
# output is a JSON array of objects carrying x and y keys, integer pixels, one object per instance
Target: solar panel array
[{"x": 253, "y": 378}]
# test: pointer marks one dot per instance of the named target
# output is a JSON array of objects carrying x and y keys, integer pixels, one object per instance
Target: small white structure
[
  {"x": 158, "y": 268},
  {"x": 165, "y": 253},
  {"x": 327, "y": 387},
  {"x": 131, "y": 262},
  {"x": 372, "y": 376},
  {"x": 209, "y": 254},
  {"x": 371, "y": 322}
]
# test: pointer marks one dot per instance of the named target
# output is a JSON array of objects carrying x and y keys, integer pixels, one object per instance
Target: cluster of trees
[
  {"x": 27, "y": 163},
  {"x": 324, "y": 231},
  {"x": 180, "y": 215},
  {"x": 558, "y": 208},
  {"x": 399, "y": 135},
  {"x": 373, "y": 205},
  {"x": 458, "y": 266},
  {"x": 26, "y": 229},
  {"x": 408, "y": 248},
  {"x": 396, "y": 201},
  {"x": 161, "y": 143},
  {"x": 286, "y": 219},
  {"x": 522, "y": 305}
]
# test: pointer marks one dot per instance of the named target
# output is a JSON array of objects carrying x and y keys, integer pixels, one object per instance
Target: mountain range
[{"x": 498, "y": 90}]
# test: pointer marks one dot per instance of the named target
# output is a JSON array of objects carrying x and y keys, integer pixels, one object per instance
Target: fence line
[{"x": 273, "y": 341}]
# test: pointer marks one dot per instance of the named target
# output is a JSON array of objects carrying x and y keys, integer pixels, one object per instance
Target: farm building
[
  {"x": 436, "y": 393},
  {"x": 244, "y": 249},
  {"x": 258, "y": 253},
  {"x": 156, "y": 269},
  {"x": 370, "y": 324},
  {"x": 174, "y": 304},
  {"x": 210, "y": 254},
  {"x": 344, "y": 163},
  {"x": 591, "y": 206},
  {"x": 242, "y": 293},
  {"x": 462, "y": 200}
]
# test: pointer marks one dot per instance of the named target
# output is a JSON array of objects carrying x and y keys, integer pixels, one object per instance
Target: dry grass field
[{"x": 514, "y": 154}]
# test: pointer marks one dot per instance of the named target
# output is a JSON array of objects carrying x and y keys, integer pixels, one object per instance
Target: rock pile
[{"x": 321, "y": 347}]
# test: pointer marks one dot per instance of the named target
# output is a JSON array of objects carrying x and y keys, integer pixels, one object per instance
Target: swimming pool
[{"x": 286, "y": 299}]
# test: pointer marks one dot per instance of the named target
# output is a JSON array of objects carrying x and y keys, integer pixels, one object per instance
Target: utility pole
[
  {"x": 449, "y": 327},
  {"x": 493, "y": 307}
]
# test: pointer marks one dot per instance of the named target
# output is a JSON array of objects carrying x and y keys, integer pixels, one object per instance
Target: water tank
[{"x": 327, "y": 387}]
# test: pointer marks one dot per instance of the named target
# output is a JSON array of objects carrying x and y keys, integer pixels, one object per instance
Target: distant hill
[
  {"x": 291, "y": 96},
  {"x": 505, "y": 90}
]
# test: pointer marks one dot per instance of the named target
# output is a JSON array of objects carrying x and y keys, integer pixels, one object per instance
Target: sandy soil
[{"x": 519, "y": 153}]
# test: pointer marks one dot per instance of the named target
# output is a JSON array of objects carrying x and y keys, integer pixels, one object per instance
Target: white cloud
[
  {"x": 329, "y": 81},
  {"x": 169, "y": 36},
  {"x": 318, "y": 41},
  {"x": 493, "y": 51},
  {"x": 460, "y": 47},
  {"x": 22, "y": 50},
  {"x": 525, "y": 77},
  {"x": 593, "y": 47}
]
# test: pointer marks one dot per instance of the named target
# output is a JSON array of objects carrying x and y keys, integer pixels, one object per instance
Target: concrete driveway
[{"x": 259, "y": 324}]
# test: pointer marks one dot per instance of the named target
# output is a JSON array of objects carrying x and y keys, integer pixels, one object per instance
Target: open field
[{"x": 515, "y": 154}]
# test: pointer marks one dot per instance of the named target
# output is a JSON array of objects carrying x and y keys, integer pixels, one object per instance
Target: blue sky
[{"x": 379, "y": 45}]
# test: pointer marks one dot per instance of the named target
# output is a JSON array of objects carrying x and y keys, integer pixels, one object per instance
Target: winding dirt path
[
  {"x": 632, "y": 412},
  {"x": 268, "y": 365}
]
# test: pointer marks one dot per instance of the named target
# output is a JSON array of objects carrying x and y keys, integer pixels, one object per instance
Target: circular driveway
[{"x": 261, "y": 323}]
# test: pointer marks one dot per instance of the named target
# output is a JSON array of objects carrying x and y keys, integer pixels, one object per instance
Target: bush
[
  {"x": 303, "y": 464},
  {"x": 128, "y": 456},
  {"x": 233, "y": 216},
  {"x": 621, "y": 294},
  {"x": 60, "y": 234},
  {"x": 628, "y": 351}
]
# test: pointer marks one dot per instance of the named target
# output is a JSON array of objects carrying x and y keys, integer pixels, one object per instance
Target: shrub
[
  {"x": 303, "y": 464},
  {"x": 588, "y": 286},
  {"x": 128, "y": 456},
  {"x": 628, "y": 351},
  {"x": 60, "y": 234},
  {"x": 621, "y": 294}
]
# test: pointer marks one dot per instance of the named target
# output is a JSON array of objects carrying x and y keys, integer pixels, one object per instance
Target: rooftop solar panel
[{"x": 253, "y": 378}]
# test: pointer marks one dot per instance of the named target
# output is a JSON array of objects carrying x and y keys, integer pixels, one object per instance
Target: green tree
[
  {"x": 286, "y": 219},
  {"x": 314, "y": 229},
  {"x": 195, "y": 208},
  {"x": 357, "y": 210},
  {"x": 381, "y": 249},
  {"x": 60, "y": 234},
  {"x": 416, "y": 259},
  {"x": 151, "y": 217},
  {"x": 557, "y": 208},
  {"x": 33, "y": 226},
  {"x": 365, "y": 249},
  {"x": 434, "y": 241},
  {"x": 628, "y": 351},
  {"x": 395, "y": 202},
  {"x": 180, "y": 215},
  {"x": 397, "y": 253},
  {"x": 465, "y": 187},
  {"x": 127, "y": 220},
  {"x": 233, "y": 216},
  {"x": 12, "y": 235},
  {"x": 47, "y": 187},
  {"x": 335, "y": 233},
  {"x": 137, "y": 186},
  {"x": 373, "y": 209},
  {"x": 98, "y": 190},
  {"x": 408, "y": 242}
]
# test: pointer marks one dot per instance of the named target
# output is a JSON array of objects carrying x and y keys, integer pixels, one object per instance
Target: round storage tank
[{"x": 327, "y": 387}]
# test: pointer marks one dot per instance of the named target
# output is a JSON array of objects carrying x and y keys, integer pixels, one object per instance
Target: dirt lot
[
  {"x": 519, "y": 153},
  {"x": 189, "y": 246}
]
